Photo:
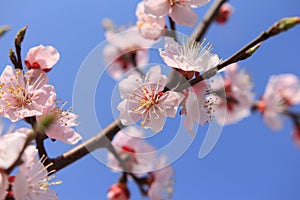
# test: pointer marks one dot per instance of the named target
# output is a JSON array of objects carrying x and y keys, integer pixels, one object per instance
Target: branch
[
  {"x": 247, "y": 51},
  {"x": 101, "y": 139},
  {"x": 98, "y": 141},
  {"x": 201, "y": 29}
]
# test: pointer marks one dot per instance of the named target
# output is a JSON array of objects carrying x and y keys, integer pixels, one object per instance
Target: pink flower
[
  {"x": 150, "y": 27},
  {"x": 181, "y": 11},
  {"x": 11, "y": 145},
  {"x": 282, "y": 91},
  {"x": 238, "y": 98},
  {"x": 126, "y": 51},
  {"x": 42, "y": 57},
  {"x": 224, "y": 13},
  {"x": 138, "y": 155},
  {"x": 161, "y": 181},
  {"x": 24, "y": 95},
  {"x": 61, "y": 128},
  {"x": 190, "y": 56},
  {"x": 199, "y": 107},
  {"x": 144, "y": 100},
  {"x": 32, "y": 180},
  {"x": 118, "y": 192},
  {"x": 3, "y": 184}
]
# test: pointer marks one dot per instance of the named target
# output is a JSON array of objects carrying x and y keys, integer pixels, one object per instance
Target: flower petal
[{"x": 184, "y": 15}]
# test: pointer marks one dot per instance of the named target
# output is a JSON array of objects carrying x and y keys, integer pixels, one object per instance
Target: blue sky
[{"x": 249, "y": 161}]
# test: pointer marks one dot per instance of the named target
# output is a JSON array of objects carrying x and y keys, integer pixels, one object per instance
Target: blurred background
[{"x": 249, "y": 161}]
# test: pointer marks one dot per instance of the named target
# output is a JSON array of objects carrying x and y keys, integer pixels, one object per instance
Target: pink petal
[
  {"x": 49, "y": 55},
  {"x": 184, "y": 15},
  {"x": 64, "y": 134},
  {"x": 273, "y": 120},
  {"x": 10, "y": 148},
  {"x": 157, "y": 7},
  {"x": 32, "y": 53},
  {"x": 196, "y": 3},
  {"x": 154, "y": 76},
  {"x": 44, "y": 56},
  {"x": 127, "y": 116},
  {"x": 129, "y": 85},
  {"x": 3, "y": 185},
  {"x": 170, "y": 103},
  {"x": 156, "y": 122},
  {"x": 20, "y": 188},
  {"x": 189, "y": 124}
]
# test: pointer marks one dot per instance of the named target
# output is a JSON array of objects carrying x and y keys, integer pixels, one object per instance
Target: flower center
[{"x": 149, "y": 99}]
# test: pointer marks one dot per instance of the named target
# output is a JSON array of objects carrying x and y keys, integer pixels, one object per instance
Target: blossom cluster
[
  {"x": 27, "y": 95},
  {"x": 147, "y": 98}
]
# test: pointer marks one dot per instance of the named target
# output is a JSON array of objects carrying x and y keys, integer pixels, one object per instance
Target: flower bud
[
  {"x": 224, "y": 13},
  {"x": 118, "y": 191}
]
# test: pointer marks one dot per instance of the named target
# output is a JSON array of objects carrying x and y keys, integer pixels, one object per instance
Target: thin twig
[
  {"x": 207, "y": 20},
  {"x": 39, "y": 139},
  {"x": 98, "y": 141},
  {"x": 173, "y": 29},
  {"x": 243, "y": 53},
  {"x": 18, "y": 41}
]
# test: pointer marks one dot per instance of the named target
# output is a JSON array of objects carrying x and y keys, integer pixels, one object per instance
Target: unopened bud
[
  {"x": 20, "y": 36},
  {"x": 287, "y": 23},
  {"x": 224, "y": 13},
  {"x": 12, "y": 57},
  {"x": 4, "y": 29},
  {"x": 252, "y": 50},
  {"x": 118, "y": 191}
]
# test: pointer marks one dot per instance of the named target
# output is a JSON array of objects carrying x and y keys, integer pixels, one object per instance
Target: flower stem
[{"x": 207, "y": 20}]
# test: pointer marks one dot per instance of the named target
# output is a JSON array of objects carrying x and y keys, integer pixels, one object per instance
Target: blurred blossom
[
  {"x": 238, "y": 98},
  {"x": 61, "y": 128},
  {"x": 150, "y": 27},
  {"x": 198, "y": 107},
  {"x": 24, "y": 95},
  {"x": 224, "y": 13},
  {"x": 42, "y": 57},
  {"x": 144, "y": 100},
  {"x": 161, "y": 181},
  {"x": 118, "y": 191},
  {"x": 282, "y": 91},
  {"x": 190, "y": 56},
  {"x": 180, "y": 11},
  {"x": 125, "y": 51},
  {"x": 137, "y": 154}
]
